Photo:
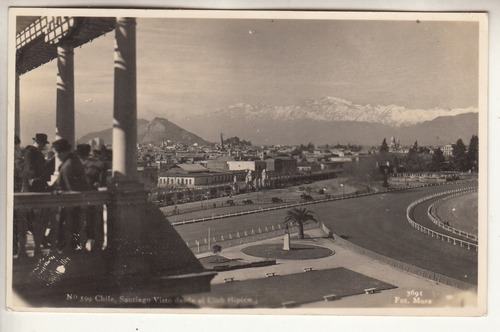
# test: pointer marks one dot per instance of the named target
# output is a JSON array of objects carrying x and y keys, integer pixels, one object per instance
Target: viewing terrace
[{"x": 144, "y": 254}]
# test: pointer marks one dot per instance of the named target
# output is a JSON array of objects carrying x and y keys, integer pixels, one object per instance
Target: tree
[
  {"x": 236, "y": 142},
  {"x": 299, "y": 216},
  {"x": 384, "y": 147},
  {"x": 216, "y": 249},
  {"x": 459, "y": 156},
  {"x": 415, "y": 162},
  {"x": 473, "y": 154},
  {"x": 414, "y": 148},
  {"x": 437, "y": 163},
  {"x": 365, "y": 168}
]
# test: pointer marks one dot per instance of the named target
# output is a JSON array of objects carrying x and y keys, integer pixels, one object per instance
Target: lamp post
[{"x": 343, "y": 189}]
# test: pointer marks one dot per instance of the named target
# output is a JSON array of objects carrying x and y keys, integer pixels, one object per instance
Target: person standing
[
  {"x": 36, "y": 170},
  {"x": 34, "y": 175},
  {"x": 95, "y": 171},
  {"x": 71, "y": 178}
]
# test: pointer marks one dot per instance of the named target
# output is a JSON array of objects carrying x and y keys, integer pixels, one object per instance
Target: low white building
[
  {"x": 447, "y": 150},
  {"x": 191, "y": 175},
  {"x": 254, "y": 165}
]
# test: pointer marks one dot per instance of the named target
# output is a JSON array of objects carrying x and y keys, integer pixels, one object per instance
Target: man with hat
[
  {"x": 35, "y": 174},
  {"x": 71, "y": 178},
  {"x": 95, "y": 170}
]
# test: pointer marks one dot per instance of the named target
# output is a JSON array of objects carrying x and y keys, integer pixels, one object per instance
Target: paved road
[{"x": 376, "y": 222}]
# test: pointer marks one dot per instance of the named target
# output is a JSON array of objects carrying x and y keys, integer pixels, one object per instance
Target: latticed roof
[{"x": 37, "y": 37}]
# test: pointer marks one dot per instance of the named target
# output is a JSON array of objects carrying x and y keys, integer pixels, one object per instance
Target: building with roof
[
  {"x": 252, "y": 165},
  {"x": 192, "y": 175},
  {"x": 308, "y": 167},
  {"x": 281, "y": 166},
  {"x": 447, "y": 150}
]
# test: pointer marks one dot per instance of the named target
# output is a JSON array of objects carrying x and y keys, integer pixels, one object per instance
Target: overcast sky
[{"x": 189, "y": 66}]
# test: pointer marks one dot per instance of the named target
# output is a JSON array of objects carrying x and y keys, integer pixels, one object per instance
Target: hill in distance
[{"x": 154, "y": 131}]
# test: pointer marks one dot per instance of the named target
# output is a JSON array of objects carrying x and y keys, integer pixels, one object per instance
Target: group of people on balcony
[{"x": 62, "y": 229}]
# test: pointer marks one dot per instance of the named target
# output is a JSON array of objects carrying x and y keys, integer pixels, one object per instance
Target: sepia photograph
[{"x": 279, "y": 162}]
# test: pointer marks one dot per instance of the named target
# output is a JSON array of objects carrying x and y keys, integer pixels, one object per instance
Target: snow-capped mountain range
[
  {"x": 332, "y": 120},
  {"x": 337, "y": 109}
]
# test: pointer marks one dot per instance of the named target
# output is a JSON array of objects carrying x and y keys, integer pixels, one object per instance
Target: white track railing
[
  {"x": 300, "y": 203},
  {"x": 437, "y": 235},
  {"x": 432, "y": 213}
]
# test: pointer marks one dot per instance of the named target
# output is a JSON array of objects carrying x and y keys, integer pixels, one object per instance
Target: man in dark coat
[
  {"x": 71, "y": 172},
  {"x": 71, "y": 178},
  {"x": 95, "y": 170},
  {"x": 35, "y": 172}
]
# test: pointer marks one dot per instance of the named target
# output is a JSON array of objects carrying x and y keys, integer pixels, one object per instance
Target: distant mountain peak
[
  {"x": 335, "y": 120},
  {"x": 339, "y": 109},
  {"x": 154, "y": 131}
]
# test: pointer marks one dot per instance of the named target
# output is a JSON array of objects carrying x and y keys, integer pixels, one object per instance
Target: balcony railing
[
  {"x": 43, "y": 211},
  {"x": 61, "y": 199},
  {"x": 135, "y": 238}
]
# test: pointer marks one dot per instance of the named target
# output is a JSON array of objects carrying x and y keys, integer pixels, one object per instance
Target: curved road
[{"x": 376, "y": 222}]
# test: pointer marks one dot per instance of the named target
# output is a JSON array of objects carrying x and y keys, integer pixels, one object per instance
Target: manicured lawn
[
  {"x": 301, "y": 288},
  {"x": 297, "y": 251},
  {"x": 461, "y": 212}
]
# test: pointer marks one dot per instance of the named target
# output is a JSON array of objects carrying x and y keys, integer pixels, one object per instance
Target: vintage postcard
[{"x": 276, "y": 162}]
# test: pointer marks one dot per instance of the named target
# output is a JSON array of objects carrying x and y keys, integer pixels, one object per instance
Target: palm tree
[{"x": 299, "y": 216}]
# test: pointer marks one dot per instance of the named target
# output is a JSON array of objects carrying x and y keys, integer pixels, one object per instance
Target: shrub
[{"x": 216, "y": 249}]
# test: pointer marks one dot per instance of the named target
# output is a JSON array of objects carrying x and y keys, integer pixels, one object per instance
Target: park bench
[
  {"x": 330, "y": 297},
  {"x": 270, "y": 274},
  {"x": 370, "y": 290},
  {"x": 226, "y": 280},
  {"x": 289, "y": 304},
  {"x": 308, "y": 269}
]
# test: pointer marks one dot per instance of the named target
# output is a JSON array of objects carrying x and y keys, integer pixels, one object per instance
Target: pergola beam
[{"x": 36, "y": 43}]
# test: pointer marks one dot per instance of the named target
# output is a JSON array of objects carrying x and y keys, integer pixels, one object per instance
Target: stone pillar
[
  {"x": 286, "y": 242},
  {"x": 125, "y": 102},
  {"x": 17, "y": 112},
  {"x": 286, "y": 239}
]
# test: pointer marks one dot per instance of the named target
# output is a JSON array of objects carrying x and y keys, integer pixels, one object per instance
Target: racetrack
[{"x": 376, "y": 222}]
